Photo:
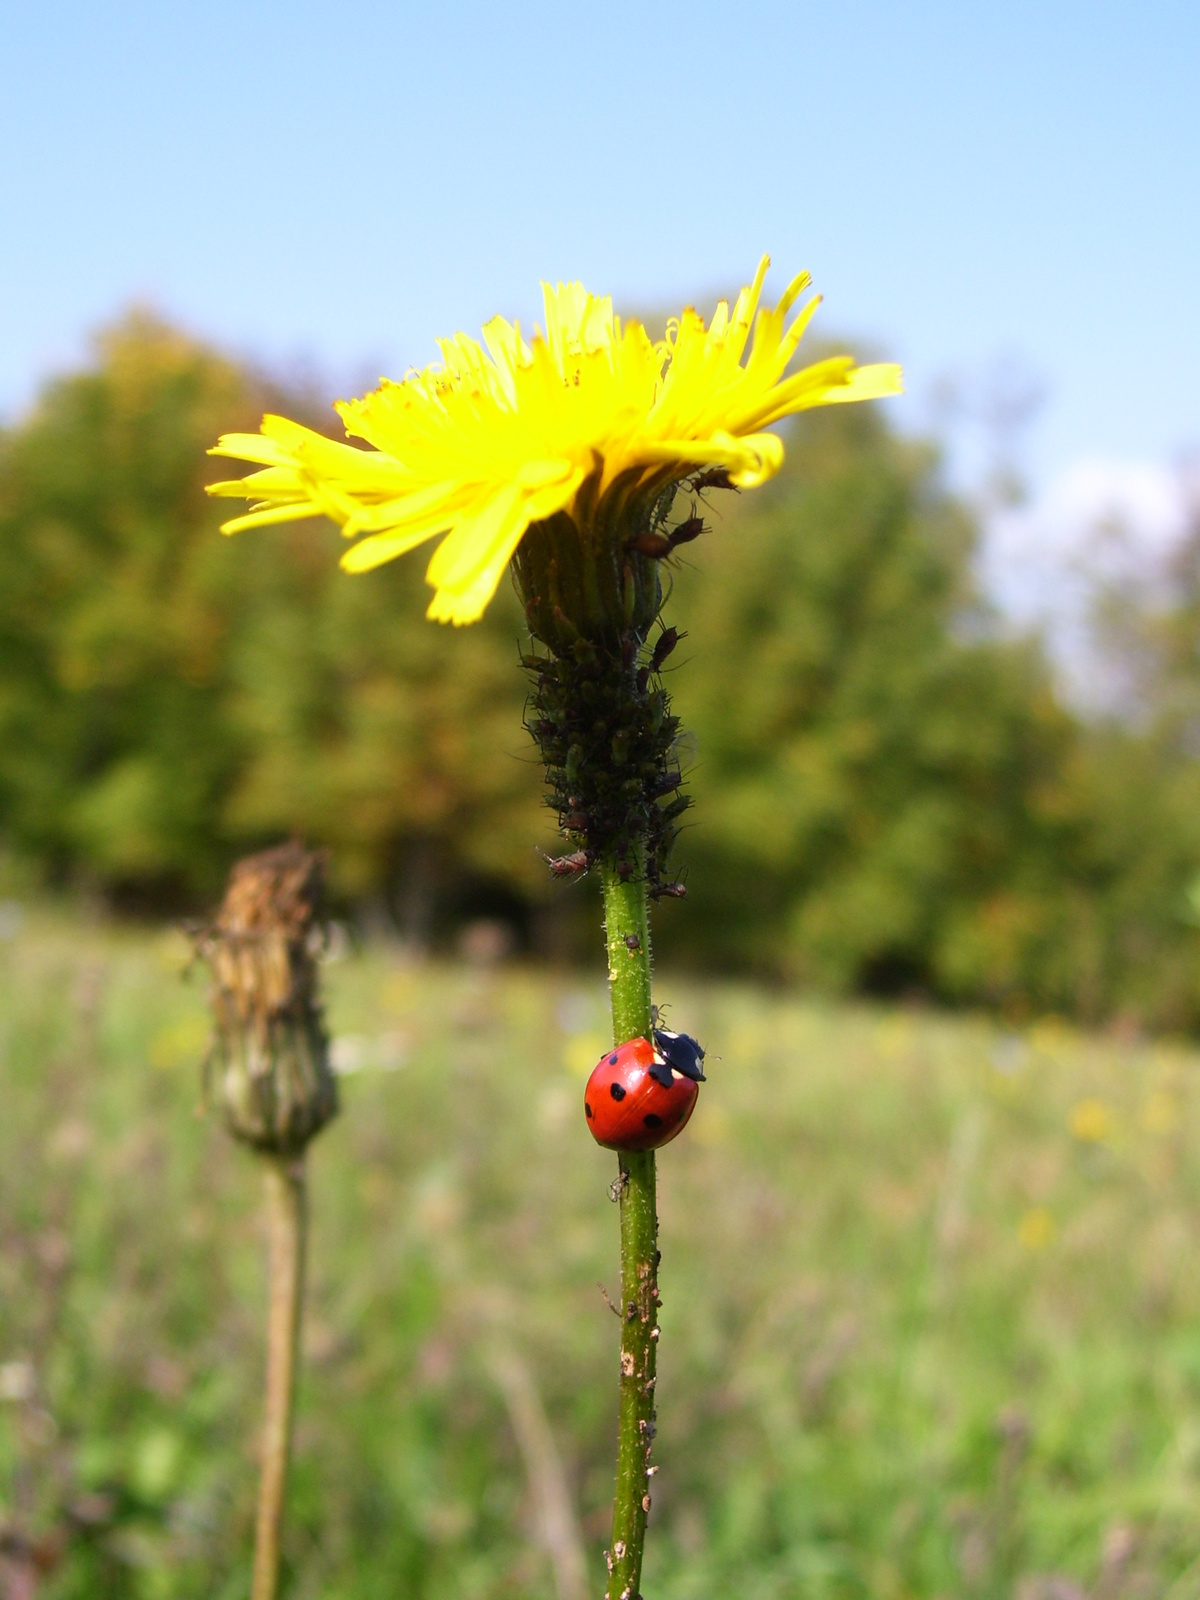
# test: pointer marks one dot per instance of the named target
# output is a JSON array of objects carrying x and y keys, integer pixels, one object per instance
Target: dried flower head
[{"x": 269, "y": 1064}]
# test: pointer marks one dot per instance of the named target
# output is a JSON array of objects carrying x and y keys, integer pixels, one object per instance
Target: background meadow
[{"x": 930, "y": 1316}]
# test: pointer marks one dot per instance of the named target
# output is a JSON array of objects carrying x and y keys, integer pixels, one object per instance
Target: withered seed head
[{"x": 268, "y": 1068}]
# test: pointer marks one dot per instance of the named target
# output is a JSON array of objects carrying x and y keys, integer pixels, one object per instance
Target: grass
[{"x": 931, "y": 1319}]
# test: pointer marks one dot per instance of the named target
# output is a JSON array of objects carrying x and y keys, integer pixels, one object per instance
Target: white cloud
[
  {"x": 1099, "y": 521},
  {"x": 1091, "y": 517}
]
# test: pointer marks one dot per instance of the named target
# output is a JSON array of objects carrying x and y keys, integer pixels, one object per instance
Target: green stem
[
  {"x": 627, "y": 933},
  {"x": 284, "y": 1181}
]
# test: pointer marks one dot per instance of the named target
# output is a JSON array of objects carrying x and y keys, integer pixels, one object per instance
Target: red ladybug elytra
[{"x": 637, "y": 1099}]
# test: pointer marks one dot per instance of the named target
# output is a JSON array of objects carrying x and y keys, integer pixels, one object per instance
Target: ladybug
[{"x": 641, "y": 1094}]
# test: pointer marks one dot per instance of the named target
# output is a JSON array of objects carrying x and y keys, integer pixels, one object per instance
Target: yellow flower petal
[
  {"x": 868, "y": 383},
  {"x": 506, "y": 432},
  {"x": 264, "y": 518},
  {"x": 377, "y": 548}
]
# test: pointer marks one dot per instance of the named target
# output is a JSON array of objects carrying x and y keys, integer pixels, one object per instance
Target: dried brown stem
[{"x": 286, "y": 1231}]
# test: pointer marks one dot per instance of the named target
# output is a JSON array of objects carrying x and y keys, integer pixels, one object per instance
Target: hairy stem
[
  {"x": 286, "y": 1227},
  {"x": 627, "y": 932}
]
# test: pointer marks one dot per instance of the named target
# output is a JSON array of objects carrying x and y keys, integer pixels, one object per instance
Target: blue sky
[{"x": 337, "y": 184}]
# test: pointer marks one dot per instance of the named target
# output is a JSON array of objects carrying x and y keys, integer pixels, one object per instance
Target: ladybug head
[{"x": 681, "y": 1053}]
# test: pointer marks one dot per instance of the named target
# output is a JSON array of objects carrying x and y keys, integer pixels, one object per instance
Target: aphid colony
[
  {"x": 598, "y": 709},
  {"x": 607, "y": 739}
]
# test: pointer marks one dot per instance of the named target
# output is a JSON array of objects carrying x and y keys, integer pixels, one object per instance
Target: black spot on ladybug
[
  {"x": 651, "y": 1119},
  {"x": 587, "y": 1108},
  {"x": 660, "y": 1071},
  {"x": 616, "y": 1091},
  {"x": 612, "y": 1060}
]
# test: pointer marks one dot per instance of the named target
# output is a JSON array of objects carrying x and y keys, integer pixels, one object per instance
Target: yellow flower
[
  {"x": 1091, "y": 1121},
  {"x": 1037, "y": 1228},
  {"x": 1160, "y": 1114},
  {"x": 493, "y": 439}
]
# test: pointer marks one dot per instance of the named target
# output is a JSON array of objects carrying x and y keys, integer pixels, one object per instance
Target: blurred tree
[
  {"x": 169, "y": 698},
  {"x": 893, "y": 796},
  {"x": 113, "y": 751}
]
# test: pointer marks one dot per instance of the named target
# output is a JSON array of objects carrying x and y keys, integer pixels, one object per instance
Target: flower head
[{"x": 506, "y": 433}]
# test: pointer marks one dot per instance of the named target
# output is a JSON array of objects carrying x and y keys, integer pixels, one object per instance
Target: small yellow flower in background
[
  {"x": 1036, "y": 1229},
  {"x": 1052, "y": 1036},
  {"x": 1160, "y": 1114},
  {"x": 581, "y": 1053},
  {"x": 713, "y": 1125},
  {"x": 894, "y": 1036},
  {"x": 500, "y": 435},
  {"x": 179, "y": 1044},
  {"x": 399, "y": 992},
  {"x": 1091, "y": 1122}
]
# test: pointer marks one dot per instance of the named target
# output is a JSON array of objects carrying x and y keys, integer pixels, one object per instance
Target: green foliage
[
  {"x": 929, "y": 1299},
  {"x": 113, "y": 752},
  {"x": 891, "y": 795},
  {"x": 169, "y": 698}
]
